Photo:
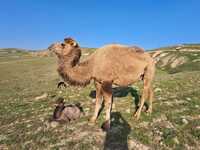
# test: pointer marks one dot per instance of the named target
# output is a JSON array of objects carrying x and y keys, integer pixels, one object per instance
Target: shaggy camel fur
[
  {"x": 112, "y": 64},
  {"x": 66, "y": 113}
]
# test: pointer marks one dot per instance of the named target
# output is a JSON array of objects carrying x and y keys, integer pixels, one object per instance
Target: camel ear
[
  {"x": 60, "y": 100},
  {"x": 71, "y": 42}
]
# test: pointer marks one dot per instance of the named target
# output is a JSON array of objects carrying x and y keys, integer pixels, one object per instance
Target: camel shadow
[
  {"x": 122, "y": 92},
  {"x": 117, "y": 136}
]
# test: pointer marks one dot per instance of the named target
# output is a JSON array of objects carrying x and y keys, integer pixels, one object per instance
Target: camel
[
  {"x": 112, "y": 64},
  {"x": 64, "y": 114}
]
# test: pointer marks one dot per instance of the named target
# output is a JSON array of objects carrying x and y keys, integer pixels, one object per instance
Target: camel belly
[
  {"x": 127, "y": 80},
  {"x": 124, "y": 78}
]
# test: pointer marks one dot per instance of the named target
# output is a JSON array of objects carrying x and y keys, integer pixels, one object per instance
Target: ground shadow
[
  {"x": 122, "y": 92},
  {"x": 117, "y": 136}
]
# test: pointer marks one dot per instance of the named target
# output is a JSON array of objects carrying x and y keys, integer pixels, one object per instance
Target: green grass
[{"x": 24, "y": 120}]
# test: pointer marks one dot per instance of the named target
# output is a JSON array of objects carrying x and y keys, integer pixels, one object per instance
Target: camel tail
[
  {"x": 149, "y": 72},
  {"x": 155, "y": 55}
]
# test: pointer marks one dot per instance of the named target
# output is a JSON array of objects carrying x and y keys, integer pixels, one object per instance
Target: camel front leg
[
  {"x": 107, "y": 95},
  {"x": 98, "y": 102}
]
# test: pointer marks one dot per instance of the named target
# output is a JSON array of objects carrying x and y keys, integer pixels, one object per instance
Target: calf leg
[{"x": 147, "y": 90}]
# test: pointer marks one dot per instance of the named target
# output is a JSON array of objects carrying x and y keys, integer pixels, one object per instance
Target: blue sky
[{"x": 35, "y": 24}]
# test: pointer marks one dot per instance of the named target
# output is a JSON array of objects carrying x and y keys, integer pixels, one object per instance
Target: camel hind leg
[
  {"x": 142, "y": 100},
  {"x": 151, "y": 95},
  {"x": 150, "y": 74},
  {"x": 147, "y": 89},
  {"x": 107, "y": 95}
]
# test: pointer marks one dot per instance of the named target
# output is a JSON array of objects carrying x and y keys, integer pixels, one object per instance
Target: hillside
[
  {"x": 28, "y": 93},
  {"x": 178, "y": 58},
  {"x": 12, "y": 52}
]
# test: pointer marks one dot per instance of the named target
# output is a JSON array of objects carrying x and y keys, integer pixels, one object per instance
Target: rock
[
  {"x": 196, "y": 60},
  {"x": 133, "y": 144},
  {"x": 157, "y": 139},
  {"x": 42, "y": 119},
  {"x": 198, "y": 127},
  {"x": 93, "y": 100},
  {"x": 128, "y": 110},
  {"x": 28, "y": 125},
  {"x": 54, "y": 124},
  {"x": 188, "y": 98},
  {"x": 41, "y": 97},
  {"x": 178, "y": 48},
  {"x": 113, "y": 106},
  {"x": 163, "y": 54},
  {"x": 167, "y": 59},
  {"x": 161, "y": 118},
  {"x": 143, "y": 124},
  {"x": 2, "y": 137},
  {"x": 178, "y": 61},
  {"x": 38, "y": 129},
  {"x": 86, "y": 54},
  {"x": 86, "y": 109},
  {"x": 157, "y": 90},
  {"x": 176, "y": 141},
  {"x": 185, "y": 121},
  {"x": 60, "y": 92},
  {"x": 3, "y": 147}
]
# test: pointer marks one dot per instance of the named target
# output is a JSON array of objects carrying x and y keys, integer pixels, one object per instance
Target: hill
[{"x": 178, "y": 58}]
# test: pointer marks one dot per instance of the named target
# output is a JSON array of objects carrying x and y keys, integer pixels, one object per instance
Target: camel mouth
[{"x": 55, "y": 47}]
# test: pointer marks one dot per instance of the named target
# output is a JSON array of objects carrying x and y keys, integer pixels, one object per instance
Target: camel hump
[
  {"x": 120, "y": 46},
  {"x": 137, "y": 49},
  {"x": 113, "y": 46}
]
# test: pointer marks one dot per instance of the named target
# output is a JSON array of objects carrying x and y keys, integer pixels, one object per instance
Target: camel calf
[{"x": 66, "y": 113}]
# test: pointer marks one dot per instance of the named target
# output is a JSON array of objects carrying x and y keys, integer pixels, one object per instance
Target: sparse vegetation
[{"x": 174, "y": 123}]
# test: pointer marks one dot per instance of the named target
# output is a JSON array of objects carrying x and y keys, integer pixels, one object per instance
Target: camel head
[{"x": 65, "y": 48}]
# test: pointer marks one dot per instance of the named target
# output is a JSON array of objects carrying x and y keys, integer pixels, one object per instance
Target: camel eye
[{"x": 63, "y": 45}]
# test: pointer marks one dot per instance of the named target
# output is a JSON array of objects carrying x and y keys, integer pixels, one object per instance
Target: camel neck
[
  {"x": 74, "y": 72},
  {"x": 71, "y": 59}
]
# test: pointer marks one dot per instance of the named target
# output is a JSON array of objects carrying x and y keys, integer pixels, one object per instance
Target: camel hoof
[
  {"x": 149, "y": 111},
  {"x": 106, "y": 126},
  {"x": 136, "y": 116},
  {"x": 92, "y": 121}
]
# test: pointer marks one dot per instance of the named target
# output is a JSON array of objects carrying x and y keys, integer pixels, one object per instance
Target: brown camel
[{"x": 111, "y": 64}]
